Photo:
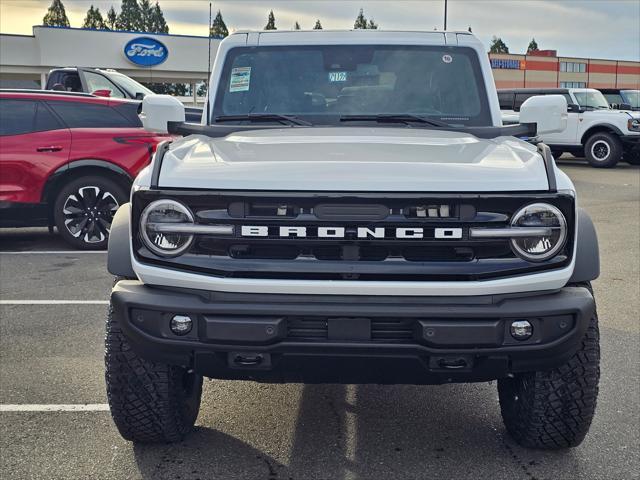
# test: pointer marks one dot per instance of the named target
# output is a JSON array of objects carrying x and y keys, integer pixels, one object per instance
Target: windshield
[
  {"x": 591, "y": 99},
  {"x": 632, "y": 97},
  {"x": 323, "y": 84},
  {"x": 129, "y": 84}
]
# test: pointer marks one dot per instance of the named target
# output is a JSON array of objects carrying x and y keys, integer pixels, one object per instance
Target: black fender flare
[
  {"x": 119, "y": 250},
  {"x": 74, "y": 165},
  {"x": 587, "y": 265},
  {"x": 600, "y": 127}
]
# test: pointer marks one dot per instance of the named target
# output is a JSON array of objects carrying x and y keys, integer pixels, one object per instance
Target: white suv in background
[{"x": 603, "y": 135}]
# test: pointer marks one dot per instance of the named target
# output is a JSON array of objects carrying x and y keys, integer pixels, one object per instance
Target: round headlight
[
  {"x": 155, "y": 226},
  {"x": 539, "y": 248}
]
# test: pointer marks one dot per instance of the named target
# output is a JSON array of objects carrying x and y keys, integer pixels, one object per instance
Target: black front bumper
[
  {"x": 353, "y": 339},
  {"x": 631, "y": 142}
]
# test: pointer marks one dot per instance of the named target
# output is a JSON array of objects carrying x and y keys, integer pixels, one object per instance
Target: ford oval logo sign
[{"x": 145, "y": 51}]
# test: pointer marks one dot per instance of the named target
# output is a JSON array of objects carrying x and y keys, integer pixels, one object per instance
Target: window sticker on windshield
[
  {"x": 447, "y": 58},
  {"x": 337, "y": 76},
  {"x": 240, "y": 78}
]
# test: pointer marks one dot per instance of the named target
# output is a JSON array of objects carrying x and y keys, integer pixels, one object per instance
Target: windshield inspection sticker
[
  {"x": 240, "y": 78},
  {"x": 337, "y": 76},
  {"x": 447, "y": 59}
]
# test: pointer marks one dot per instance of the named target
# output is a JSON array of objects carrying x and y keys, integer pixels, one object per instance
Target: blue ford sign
[{"x": 145, "y": 51}]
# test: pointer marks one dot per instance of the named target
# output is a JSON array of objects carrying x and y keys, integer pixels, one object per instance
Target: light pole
[{"x": 445, "y": 14}]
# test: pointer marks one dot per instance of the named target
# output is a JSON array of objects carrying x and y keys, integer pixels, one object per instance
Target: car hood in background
[{"x": 353, "y": 159}]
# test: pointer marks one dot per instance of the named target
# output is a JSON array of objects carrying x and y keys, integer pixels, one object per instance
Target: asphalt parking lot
[{"x": 53, "y": 305}]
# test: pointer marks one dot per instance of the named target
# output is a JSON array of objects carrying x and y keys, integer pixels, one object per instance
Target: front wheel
[
  {"x": 553, "y": 409},
  {"x": 632, "y": 157},
  {"x": 150, "y": 402},
  {"x": 603, "y": 150},
  {"x": 84, "y": 209}
]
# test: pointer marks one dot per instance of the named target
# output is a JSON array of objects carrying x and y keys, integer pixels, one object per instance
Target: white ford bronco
[
  {"x": 601, "y": 134},
  {"x": 352, "y": 210}
]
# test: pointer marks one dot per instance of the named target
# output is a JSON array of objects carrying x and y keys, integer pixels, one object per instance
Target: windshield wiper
[
  {"x": 263, "y": 117},
  {"x": 405, "y": 118}
]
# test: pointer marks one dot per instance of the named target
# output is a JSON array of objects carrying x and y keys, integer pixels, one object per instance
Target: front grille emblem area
[{"x": 362, "y": 233}]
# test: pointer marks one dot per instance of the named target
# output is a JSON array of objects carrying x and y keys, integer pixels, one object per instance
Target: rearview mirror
[
  {"x": 625, "y": 106},
  {"x": 159, "y": 110},
  {"x": 573, "y": 107},
  {"x": 548, "y": 112}
]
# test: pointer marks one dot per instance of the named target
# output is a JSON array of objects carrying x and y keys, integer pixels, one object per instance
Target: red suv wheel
[{"x": 84, "y": 210}]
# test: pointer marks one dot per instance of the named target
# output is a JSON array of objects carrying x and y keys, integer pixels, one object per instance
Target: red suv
[{"x": 68, "y": 160}]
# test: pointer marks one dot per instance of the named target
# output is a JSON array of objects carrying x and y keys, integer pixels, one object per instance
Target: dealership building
[
  {"x": 545, "y": 69},
  {"x": 25, "y": 60}
]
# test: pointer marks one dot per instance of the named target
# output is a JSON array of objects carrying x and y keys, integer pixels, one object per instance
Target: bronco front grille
[{"x": 351, "y": 236}]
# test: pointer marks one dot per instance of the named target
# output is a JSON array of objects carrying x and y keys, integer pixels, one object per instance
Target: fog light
[
  {"x": 521, "y": 330},
  {"x": 181, "y": 324}
]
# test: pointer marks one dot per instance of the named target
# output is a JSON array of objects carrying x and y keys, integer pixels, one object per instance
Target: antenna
[
  {"x": 445, "y": 14},
  {"x": 208, "y": 68}
]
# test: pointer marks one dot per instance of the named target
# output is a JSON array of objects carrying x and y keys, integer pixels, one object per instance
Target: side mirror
[
  {"x": 625, "y": 106},
  {"x": 102, "y": 93},
  {"x": 573, "y": 107},
  {"x": 139, "y": 96},
  {"x": 159, "y": 110},
  {"x": 548, "y": 112}
]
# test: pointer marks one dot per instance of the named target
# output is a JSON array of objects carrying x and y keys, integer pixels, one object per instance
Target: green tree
[
  {"x": 130, "y": 17},
  {"x": 296, "y": 26},
  {"x": 364, "y": 24},
  {"x": 94, "y": 19},
  {"x": 158, "y": 23},
  {"x": 533, "y": 46},
  {"x": 498, "y": 46},
  {"x": 271, "y": 22},
  {"x": 146, "y": 16},
  {"x": 318, "y": 25},
  {"x": 361, "y": 22},
  {"x": 218, "y": 27},
  {"x": 112, "y": 17},
  {"x": 175, "y": 89},
  {"x": 56, "y": 15}
]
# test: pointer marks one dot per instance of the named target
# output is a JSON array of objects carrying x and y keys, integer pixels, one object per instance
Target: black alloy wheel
[{"x": 84, "y": 210}]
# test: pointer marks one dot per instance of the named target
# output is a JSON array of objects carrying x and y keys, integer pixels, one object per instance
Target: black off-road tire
[
  {"x": 150, "y": 402},
  {"x": 632, "y": 157},
  {"x": 603, "y": 150},
  {"x": 84, "y": 208},
  {"x": 553, "y": 409}
]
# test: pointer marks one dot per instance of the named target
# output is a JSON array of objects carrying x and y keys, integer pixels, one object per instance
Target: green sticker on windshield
[
  {"x": 337, "y": 76},
  {"x": 240, "y": 78}
]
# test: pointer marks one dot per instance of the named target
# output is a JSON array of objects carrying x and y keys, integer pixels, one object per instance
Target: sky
[{"x": 580, "y": 28}]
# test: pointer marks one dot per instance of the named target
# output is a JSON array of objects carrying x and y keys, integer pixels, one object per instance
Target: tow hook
[
  {"x": 450, "y": 363},
  {"x": 249, "y": 360}
]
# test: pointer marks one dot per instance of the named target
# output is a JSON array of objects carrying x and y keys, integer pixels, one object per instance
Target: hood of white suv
[{"x": 353, "y": 159}]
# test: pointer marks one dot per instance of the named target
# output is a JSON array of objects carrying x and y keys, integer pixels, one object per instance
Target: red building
[{"x": 544, "y": 69}]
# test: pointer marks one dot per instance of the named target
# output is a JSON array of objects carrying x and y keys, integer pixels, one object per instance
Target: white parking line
[
  {"x": 86, "y": 407},
  {"x": 54, "y": 302},
  {"x": 52, "y": 252}
]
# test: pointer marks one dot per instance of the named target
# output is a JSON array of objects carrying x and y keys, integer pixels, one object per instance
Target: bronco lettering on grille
[{"x": 341, "y": 232}]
